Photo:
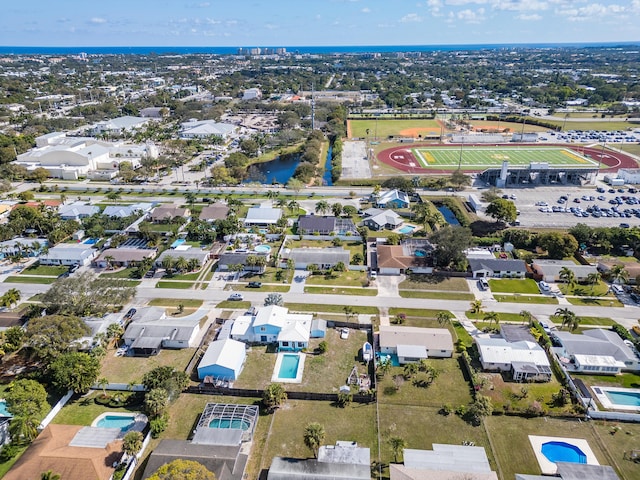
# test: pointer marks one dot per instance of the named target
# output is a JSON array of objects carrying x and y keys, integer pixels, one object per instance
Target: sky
[{"x": 315, "y": 22}]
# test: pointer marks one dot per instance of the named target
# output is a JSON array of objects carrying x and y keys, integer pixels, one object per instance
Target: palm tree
[
  {"x": 336, "y": 208},
  {"x": 109, "y": 259},
  {"x": 12, "y": 296},
  {"x": 273, "y": 195},
  {"x": 191, "y": 198},
  {"x": 526, "y": 316},
  {"x": 618, "y": 274},
  {"x": 567, "y": 317},
  {"x": 293, "y": 206},
  {"x": 322, "y": 206},
  {"x": 491, "y": 317},
  {"x": 132, "y": 443},
  {"x": 313, "y": 436},
  {"x": 476, "y": 306},
  {"x": 194, "y": 264},
  {"x": 567, "y": 276},
  {"x": 115, "y": 332},
  {"x": 273, "y": 396},
  {"x": 182, "y": 264},
  {"x": 102, "y": 383},
  {"x": 443, "y": 317},
  {"x": 155, "y": 402},
  {"x": 24, "y": 429},
  {"x": 168, "y": 263},
  {"x": 398, "y": 444},
  {"x": 593, "y": 279},
  {"x": 113, "y": 196}
]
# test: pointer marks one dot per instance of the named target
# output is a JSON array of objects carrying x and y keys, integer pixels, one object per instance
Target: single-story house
[
  {"x": 397, "y": 259},
  {"x": 214, "y": 211},
  {"x": 393, "y": 199},
  {"x": 324, "y": 258},
  {"x": 54, "y": 450},
  {"x": 77, "y": 211},
  {"x": 632, "y": 269},
  {"x": 274, "y": 324},
  {"x": 26, "y": 246},
  {"x": 185, "y": 251},
  {"x": 263, "y": 216},
  {"x": 342, "y": 461},
  {"x": 222, "y": 451},
  {"x": 223, "y": 359},
  {"x": 596, "y": 351},
  {"x": 150, "y": 330},
  {"x": 316, "y": 225},
  {"x": 68, "y": 254},
  {"x": 523, "y": 359},
  {"x": 576, "y": 471},
  {"x": 444, "y": 462},
  {"x": 166, "y": 213},
  {"x": 377, "y": 219},
  {"x": 318, "y": 328},
  {"x": 123, "y": 256},
  {"x": 412, "y": 344},
  {"x": 549, "y": 270},
  {"x": 122, "y": 211},
  {"x": 497, "y": 267},
  {"x": 228, "y": 259}
]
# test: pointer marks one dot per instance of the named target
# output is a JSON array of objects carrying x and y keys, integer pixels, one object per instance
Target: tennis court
[{"x": 479, "y": 158}]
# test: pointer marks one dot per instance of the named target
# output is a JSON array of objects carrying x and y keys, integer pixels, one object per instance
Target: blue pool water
[
  {"x": 448, "y": 215},
  {"x": 407, "y": 230},
  {"x": 3, "y": 409},
  {"x": 420, "y": 253},
  {"x": 395, "y": 361},
  {"x": 229, "y": 423},
  {"x": 263, "y": 248},
  {"x": 122, "y": 422},
  {"x": 177, "y": 243},
  {"x": 91, "y": 241},
  {"x": 563, "y": 452},
  {"x": 631, "y": 399},
  {"x": 289, "y": 366}
]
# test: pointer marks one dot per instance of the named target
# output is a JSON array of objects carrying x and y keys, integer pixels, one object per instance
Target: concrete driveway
[{"x": 388, "y": 285}]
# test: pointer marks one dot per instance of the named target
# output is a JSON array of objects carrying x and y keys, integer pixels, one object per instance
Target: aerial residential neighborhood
[{"x": 276, "y": 263}]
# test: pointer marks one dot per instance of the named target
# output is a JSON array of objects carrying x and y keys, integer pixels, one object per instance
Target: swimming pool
[
  {"x": 563, "y": 452},
  {"x": 3, "y": 409},
  {"x": 618, "y": 398},
  {"x": 234, "y": 423},
  {"x": 263, "y": 248},
  {"x": 288, "y": 368},
  {"x": 123, "y": 422},
  {"x": 177, "y": 243},
  {"x": 91, "y": 241},
  {"x": 406, "y": 230},
  {"x": 420, "y": 253}
]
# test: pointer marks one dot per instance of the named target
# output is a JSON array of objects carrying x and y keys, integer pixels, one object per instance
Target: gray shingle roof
[{"x": 496, "y": 265}]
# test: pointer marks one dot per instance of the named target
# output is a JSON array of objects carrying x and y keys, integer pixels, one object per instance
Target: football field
[{"x": 480, "y": 158}]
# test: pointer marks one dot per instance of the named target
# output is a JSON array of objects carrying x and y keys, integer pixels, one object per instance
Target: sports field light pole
[
  {"x": 604, "y": 142},
  {"x": 460, "y": 159}
]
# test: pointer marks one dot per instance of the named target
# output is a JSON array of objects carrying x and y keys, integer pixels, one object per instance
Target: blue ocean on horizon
[{"x": 326, "y": 49}]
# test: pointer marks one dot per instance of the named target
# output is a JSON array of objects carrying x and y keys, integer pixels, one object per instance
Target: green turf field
[
  {"x": 382, "y": 129},
  {"x": 488, "y": 157}
]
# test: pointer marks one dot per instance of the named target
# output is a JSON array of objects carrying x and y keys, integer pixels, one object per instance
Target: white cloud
[
  {"x": 435, "y": 7},
  {"x": 520, "y": 5},
  {"x": 469, "y": 16},
  {"x": 459, "y": 3},
  {"x": 529, "y": 17},
  {"x": 98, "y": 20},
  {"x": 271, "y": 26},
  {"x": 410, "y": 18},
  {"x": 366, "y": 10},
  {"x": 596, "y": 10}
]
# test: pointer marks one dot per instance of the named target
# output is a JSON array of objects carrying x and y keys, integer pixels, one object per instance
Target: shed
[
  {"x": 223, "y": 359},
  {"x": 318, "y": 328}
]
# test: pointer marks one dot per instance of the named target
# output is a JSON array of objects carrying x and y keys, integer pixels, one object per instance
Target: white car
[
  {"x": 373, "y": 274},
  {"x": 344, "y": 333}
]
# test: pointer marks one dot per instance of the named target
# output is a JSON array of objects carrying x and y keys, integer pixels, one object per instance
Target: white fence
[
  {"x": 54, "y": 411},
  {"x": 616, "y": 416},
  {"x": 134, "y": 462}
]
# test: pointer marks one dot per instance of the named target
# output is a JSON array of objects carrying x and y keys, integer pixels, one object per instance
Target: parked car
[
  {"x": 344, "y": 333},
  {"x": 373, "y": 274},
  {"x": 74, "y": 268},
  {"x": 254, "y": 285},
  {"x": 236, "y": 297},
  {"x": 130, "y": 313}
]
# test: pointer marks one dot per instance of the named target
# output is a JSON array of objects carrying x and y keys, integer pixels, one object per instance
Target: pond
[
  {"x": 278, "y": 170},
  {"x": 448, "y": 215}
]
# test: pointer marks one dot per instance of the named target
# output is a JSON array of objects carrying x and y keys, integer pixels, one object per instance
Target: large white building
[
  {"x": 205, "y": 129},
  {"x": 73, "y": 157}
]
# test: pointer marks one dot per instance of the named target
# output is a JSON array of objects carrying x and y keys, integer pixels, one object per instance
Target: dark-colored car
[
  {"x": 254, "y": 285},
  {"x": 130, "y": 313}
]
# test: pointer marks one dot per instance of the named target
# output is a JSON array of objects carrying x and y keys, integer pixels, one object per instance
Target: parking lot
[{"x": 580, "y": 205}]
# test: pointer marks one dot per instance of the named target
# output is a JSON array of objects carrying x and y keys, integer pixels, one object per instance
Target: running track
[{"x": 402, "y": 159}]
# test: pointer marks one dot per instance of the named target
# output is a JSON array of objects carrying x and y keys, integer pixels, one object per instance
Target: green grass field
[
  {"x": 382, "y": 129},
  {"x": 488, "y": 157}
]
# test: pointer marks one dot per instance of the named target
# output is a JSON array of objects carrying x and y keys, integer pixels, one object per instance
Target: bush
[
  {"x": 103, "y": 400},
  {"x": 9, "y": 451},
  {"x": 158, "y": 425},
  {"x": 323, "y": 347}
]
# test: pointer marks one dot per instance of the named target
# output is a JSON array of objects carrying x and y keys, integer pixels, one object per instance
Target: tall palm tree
[
  {"x": 567, "y": 316},
  {"x": 593, "y": 279},
  {"x": 491, "y": 317},
  {"x": 24, "y": 429},
  {"x": 313, "y": 436},
  {"x": 526, "y": 316},
  {"x": 398, "y": 444},
  {"x": 567, "y": 276},
  {"x": 322, "y": 206},
  {"x": 182, "y": 263},
  {"x": 293, "y": 206},
  {"x": 109, "y": 259},
  {"x": 194, "y": 264},
  {"x": 273, "y": 195},
  {"x": 168, "y": 263},
  {"x": 443, "y": 317},
  {"x": 49, "y": 475},
  {"x": 618, "y": 274}
]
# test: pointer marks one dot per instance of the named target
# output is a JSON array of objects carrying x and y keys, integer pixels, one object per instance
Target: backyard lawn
[
  {"x": 514, "y": 454},
  {"x": 616, "y": 443},
  {"x": 84, "y": 410},
  {"x": 356, "y": 422},
  {"x": 514, "y": 285},
  {"x": 450, "y": 387},
  {"x": 131, "y": 369}
]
